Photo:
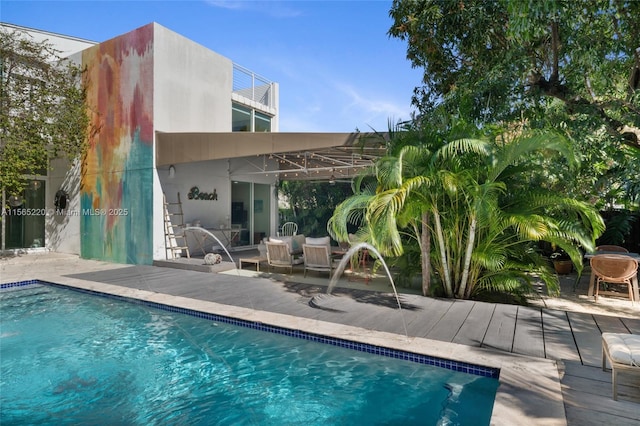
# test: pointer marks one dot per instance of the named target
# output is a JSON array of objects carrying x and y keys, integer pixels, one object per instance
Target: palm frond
[
  {"x": 463, "y": 146},
  {"x": 517, "y": 150}
]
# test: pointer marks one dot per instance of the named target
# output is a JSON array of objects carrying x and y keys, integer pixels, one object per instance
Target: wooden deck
[{"x": 570, "y": 337}]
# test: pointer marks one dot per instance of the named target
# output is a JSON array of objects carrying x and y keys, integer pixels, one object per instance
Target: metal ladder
[{"x": 175, "y": 242}]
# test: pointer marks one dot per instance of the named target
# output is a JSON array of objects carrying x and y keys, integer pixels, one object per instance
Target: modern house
[{"x": 179, "y": 125}]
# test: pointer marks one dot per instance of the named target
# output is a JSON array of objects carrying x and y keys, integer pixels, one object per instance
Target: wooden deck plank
[
  {"x": 448, "y": 326},
  {"x": 588, "y": 416},
  {"x": 416, "y": 316},
  {"x": 632, "y": 324},
  {"x": 558, "y": 340},
  {"x": 625, "y": 409},
  {"x": 628, "y": 391},
  {"x": 296, "y": 308},
  {"x": 421, "y": 325},
  {"x": 581, "y": 385},
  {"x": 475, "y": 326},
  {"x": 348, "y": 310},
  {"x": 364, "y": 320},
  {"x": 588, "y": 338},
  {"x": 609, "y": 324},
  {"x": 393, "y": 323},
  {"x": 528, "y": 338},
  {"x": 501, "y": 329},
  {"x": 575, "y": 368}
]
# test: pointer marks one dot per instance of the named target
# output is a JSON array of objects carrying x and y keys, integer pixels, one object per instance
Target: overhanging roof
[{"x": 301, "y": 155}]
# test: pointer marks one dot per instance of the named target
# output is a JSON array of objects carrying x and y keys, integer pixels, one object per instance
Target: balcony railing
[{"x": 252, "y": 86}]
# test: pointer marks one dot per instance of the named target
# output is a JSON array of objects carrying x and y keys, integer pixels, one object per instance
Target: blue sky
[{"x": 337, "y": 68}]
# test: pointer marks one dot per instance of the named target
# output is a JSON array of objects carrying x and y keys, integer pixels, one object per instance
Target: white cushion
[
  {"x": 623, "y": 348},
  {"x": 322, "y": 241},
  {"x": 293, "y": 243},
  {"x": 286, "y": 240},
  {"x": 296, "y": 243},
  {"x": 317, "y": 241}
]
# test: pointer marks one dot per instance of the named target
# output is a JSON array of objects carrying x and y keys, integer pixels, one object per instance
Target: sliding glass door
[
  {"x": 250, "y": 212},
  {"x": 261, "y": 211}
]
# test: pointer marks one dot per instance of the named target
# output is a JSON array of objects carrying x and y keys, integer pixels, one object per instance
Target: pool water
[{"x": 67, "y": 357}]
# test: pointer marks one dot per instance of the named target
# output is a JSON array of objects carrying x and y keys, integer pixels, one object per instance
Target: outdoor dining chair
[
  {"x": 615, "y": 269},
  {"x": 289, "y": 229},
  {"x": 602, "y": 249}
]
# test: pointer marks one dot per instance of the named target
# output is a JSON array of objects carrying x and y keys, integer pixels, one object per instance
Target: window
[
  {"x": 262, "y": 122},
  {"x": 241, "y": 119},
  {"x": 245, "y": 119}
]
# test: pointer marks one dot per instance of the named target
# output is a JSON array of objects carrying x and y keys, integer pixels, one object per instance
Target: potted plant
[{"x": 561, "y": 262}]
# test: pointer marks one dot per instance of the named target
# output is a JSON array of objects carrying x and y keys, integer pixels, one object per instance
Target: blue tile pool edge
[{"x": 458, "y": 366}]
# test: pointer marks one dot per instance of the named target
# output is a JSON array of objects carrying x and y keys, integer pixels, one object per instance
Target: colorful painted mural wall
[{"x": 117, "y": 176}]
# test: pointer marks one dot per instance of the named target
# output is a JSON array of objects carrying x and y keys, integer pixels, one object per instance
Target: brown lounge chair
[{"x": 615, "y": 269}]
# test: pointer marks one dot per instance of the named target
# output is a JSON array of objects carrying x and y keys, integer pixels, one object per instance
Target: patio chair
[
  {"x": 613, "y": 248},
  {"x": 615, "y": 269},
  {"x": 603, "y": 249},
  {"x": 279, "y": 256},
  {"x": 289, "y": 229},
  {"x": 317, "y": 258}
]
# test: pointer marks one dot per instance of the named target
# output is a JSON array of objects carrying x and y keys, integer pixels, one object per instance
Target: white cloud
[
  {"x": 317, "y": 94},
  {"x": 274, "y": 9},
  {"x": 233, "y": 5},
  {"x": 371, "y": 109},
  {"x": 311, "y": 102}
]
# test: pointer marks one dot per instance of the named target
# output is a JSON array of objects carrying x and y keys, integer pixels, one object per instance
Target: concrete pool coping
[{"x": 529, "y": 391}]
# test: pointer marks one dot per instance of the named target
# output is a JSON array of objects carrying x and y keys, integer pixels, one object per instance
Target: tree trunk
[
  {"x": 467, "y": 258},
  {"x": 443, "y": 255},
  {"x": 425, "y": 238}
]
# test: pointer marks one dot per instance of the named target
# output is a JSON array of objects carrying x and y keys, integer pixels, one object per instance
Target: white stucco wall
[
  {"x": 207, "y": 176},
  {"x": 192, "y": 85},
  {"x": 192, "y": 93},
  {"x": 62, "y": 231},
  {"x": 62, "y": 228}
]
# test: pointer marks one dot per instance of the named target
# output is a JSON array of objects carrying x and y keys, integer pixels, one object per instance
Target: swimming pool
[{"x": 70, "y": 357}]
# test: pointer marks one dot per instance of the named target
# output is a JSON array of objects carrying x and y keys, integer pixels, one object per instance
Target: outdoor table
[
  {"x": 227, "y": 236},
  {"x": 256, "y": 260},
  {"x": 338, "y": 252},
  {"x": 230, "y": 235}
]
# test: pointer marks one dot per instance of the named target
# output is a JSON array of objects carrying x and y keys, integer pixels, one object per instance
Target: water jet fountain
[
  {"x": 210, "y": 234},
  {"x": 347, "y": 257}
]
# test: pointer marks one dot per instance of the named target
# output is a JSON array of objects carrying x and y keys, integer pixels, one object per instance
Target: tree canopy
[
  {"x": 43, "y": 113},
  {"x": 503, "y": 60}
]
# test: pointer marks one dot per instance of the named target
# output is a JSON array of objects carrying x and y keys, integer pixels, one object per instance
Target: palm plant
[{"x": 469, "y": 198}]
